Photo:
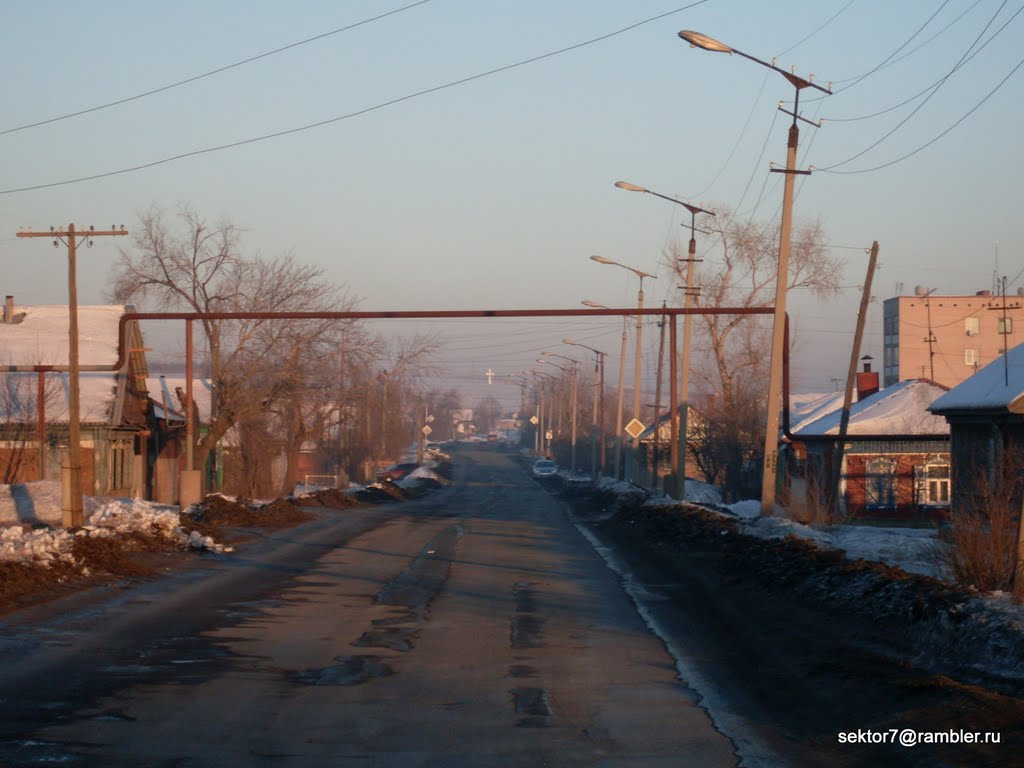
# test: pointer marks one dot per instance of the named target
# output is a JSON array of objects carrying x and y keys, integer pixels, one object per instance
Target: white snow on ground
[
  {"x": 418, "y": 474},
  {"x": 26, "y": 505},
  {"x": 915, "y": 550}
]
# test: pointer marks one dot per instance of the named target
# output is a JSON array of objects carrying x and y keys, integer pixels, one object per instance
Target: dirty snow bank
[
  {"x": 26, "y": 506},
  {"x": 893, "y": 576}
]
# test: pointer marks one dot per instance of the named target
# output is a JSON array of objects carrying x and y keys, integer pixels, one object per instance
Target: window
[
  {"x": 880, "y": 482},
  {"x": 932, "y": 484},
  {"x": 971, "y": 357},
  {"x": 972, "y": 326},
  {"x": 1005, "y": 325}
]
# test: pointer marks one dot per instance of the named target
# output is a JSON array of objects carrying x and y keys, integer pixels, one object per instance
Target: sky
[{"x": 493, "y": 192}]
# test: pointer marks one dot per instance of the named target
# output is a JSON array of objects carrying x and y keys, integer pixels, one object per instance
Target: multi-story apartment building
[{"x": 947, "y": 338}]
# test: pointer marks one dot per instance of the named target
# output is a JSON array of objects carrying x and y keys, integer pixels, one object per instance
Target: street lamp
[
  {"x": 679, "y": 443},
  {"x": 597, "y": 419},
  {"x": 622, "y": 386},
  {"x": 571, "y": 370},
  {"x": 771, "y": 436},
  {"x": 639, "y": 333},
  {"x": 543, "y": 425}
]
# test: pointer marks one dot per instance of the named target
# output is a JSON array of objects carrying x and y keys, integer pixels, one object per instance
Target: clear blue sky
[{"x": 495, "y": 192}]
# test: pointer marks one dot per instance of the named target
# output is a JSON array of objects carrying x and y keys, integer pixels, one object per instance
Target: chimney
[
  {"x": 867, "y": 381},
  {"x": 9, "y": 316}
]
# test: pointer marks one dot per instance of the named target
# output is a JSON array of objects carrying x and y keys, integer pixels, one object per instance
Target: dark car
[{"x": 396, "y": 472}]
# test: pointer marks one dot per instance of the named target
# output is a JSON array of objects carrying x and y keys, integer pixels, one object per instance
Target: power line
[
  {"x": 211, "y": 73},
  {"x": 357, "y": 113},
  {"x": 935, "y": 90},
  {"x": 923, "y": 91},
  {"x": 812, "y": 34},
  {"x": 887, "y": 59},
  {"x": 941, "y": 135}
]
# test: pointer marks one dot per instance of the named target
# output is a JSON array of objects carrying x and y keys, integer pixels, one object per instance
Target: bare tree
[
  {"x": 191, "y": 264},
  {"x": 732, "y": 372},
  {"x": 19, "y": 413}
]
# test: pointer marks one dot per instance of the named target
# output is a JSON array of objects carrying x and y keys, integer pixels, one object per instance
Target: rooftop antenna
[{"x": 995, "y": 271}]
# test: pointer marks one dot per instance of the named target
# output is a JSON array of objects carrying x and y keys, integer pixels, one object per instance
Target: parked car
[
  {"x": 544, "y": 468},
  {"x": 396, "y": 471}
]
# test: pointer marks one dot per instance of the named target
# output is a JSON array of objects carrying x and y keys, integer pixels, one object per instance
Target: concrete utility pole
[
  {"x": 771, "y": 432},
  {"x": 71, "y": 470}
]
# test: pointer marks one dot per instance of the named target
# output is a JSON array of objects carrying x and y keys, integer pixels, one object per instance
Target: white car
[{"x": 544, "y": 468}]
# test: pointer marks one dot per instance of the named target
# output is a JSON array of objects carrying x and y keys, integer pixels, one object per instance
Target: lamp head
[
  {"x": 570, "y": 341},
  {"x": 628, "y": 186},
  {"x": 594, "y": 304},
  {"x": 602, "y": 260},
  {"x": 697, "y": 40}
]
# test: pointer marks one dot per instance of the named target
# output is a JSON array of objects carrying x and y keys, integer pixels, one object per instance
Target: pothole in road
[
  {"x": 392, "y": 638},
  {"x": 533, "y": 705},
  {"x": 352, "y": 670},
  {"x": 526, "y": 631},
  {"x": 27, "y": 752},
  {"x": 526, "y": 597},
  {"x": 522, "y": 670}
]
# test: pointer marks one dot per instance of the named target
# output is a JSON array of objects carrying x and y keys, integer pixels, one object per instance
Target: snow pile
[
  {"x": 42, "y": 547},
  {"x": 701, "y": 493},
  {"x": 122, "y": 516},
  {"x": 39, "y": 504},
  {"x": 915, "y": 550},
  {"x": 419, "y": 476}
]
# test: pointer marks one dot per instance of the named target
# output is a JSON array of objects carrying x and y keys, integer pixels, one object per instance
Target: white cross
[{"x": 490, "y": 376}]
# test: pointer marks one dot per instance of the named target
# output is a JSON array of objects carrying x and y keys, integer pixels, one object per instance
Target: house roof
[
  {"x": 163, "y": 390},
  {"x": 901, "y": 409},
  {"x": 999, "y": 386},
  {"x": 41, "y": 338},
  {"x": 807, "y": 408}
]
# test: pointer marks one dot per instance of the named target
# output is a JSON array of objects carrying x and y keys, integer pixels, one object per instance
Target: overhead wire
[
  {"x": 859, "y": 78},
  {"x": 357, "y": 113},
  {"x": 210, "y": 73},
  {"x": 832, "y": 18},
  {"x": 935, "y": 90},
  {"x": 939, "y": 136}
]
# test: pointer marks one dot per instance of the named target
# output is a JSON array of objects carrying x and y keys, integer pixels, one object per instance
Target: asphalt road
[{"x": 474, "y": 627}]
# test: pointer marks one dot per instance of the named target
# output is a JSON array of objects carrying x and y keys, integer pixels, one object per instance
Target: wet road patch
[
  {"x": 533, "y": 706},
  {"x": 392, "y": 638},
  {"x": 351, "y": 670}
]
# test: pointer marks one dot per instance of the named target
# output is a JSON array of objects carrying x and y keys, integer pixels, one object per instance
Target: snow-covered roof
[
  {"x": 901, "y": 409},
  {"x": 162, "y": 389},
  {"x": 998, "y": 386},
  {"x": 41, "y": 338},
  {"x": 807, "y": 408}
]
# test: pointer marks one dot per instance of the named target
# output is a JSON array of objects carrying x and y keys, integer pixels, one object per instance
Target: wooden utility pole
[
  {"x": 71, "y": 475},
  {"x": 844, "y": 418}
]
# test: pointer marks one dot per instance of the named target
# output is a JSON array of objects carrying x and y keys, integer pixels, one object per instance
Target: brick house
[{"x": 895, "y": 464}]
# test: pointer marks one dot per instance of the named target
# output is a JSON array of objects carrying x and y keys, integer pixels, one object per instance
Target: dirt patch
[
  {"x": 91, "y": 560},
  {"x": 214, "y": 514},
  {"x": 331, "y": 498}
]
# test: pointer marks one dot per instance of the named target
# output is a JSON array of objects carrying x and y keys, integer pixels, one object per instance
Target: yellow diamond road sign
[
  {"x": 426, "y": 430},
  {"x": 534, "y": 419},
  {"x": 635, "y": 428}
]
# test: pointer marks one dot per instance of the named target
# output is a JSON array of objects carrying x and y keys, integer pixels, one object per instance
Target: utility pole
[
  {"x": 844, "y": 418},
  {"x": 656, "y": 435},
  {"x": 71, "y": 470},
  {"x": 618, "y": 417}
]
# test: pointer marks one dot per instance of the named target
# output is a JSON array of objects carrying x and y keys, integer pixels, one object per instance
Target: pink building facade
[{"x": 947, "y": 339}]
